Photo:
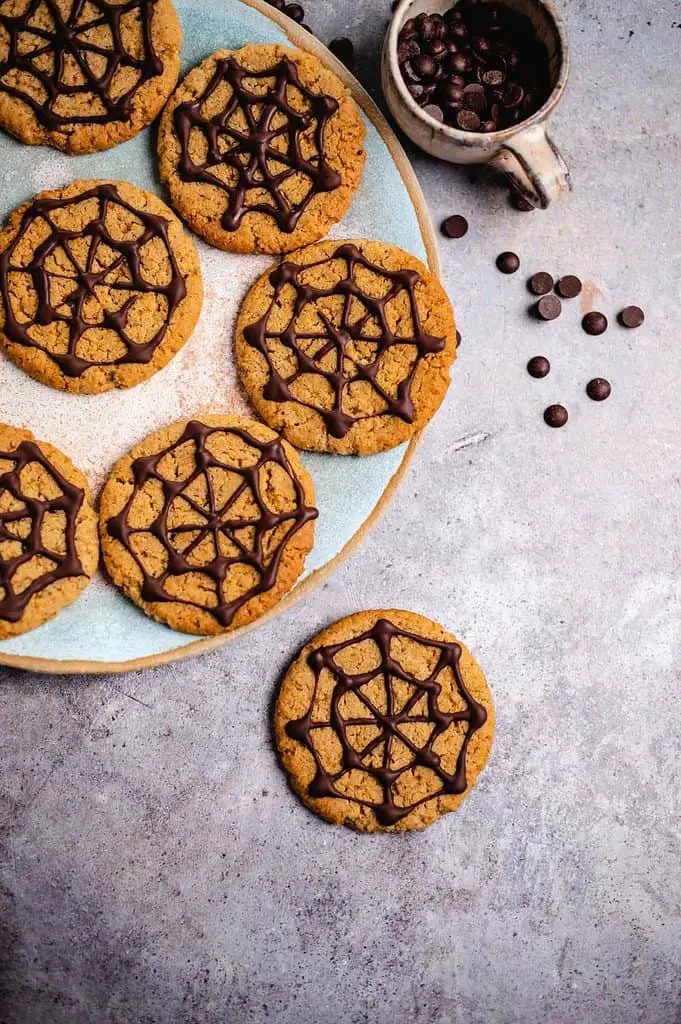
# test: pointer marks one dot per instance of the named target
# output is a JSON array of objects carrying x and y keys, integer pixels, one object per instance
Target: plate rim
[{"x": 302, "y": 40}]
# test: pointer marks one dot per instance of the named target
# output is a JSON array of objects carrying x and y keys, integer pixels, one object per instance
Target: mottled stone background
[{"x": 155, "y": 866}]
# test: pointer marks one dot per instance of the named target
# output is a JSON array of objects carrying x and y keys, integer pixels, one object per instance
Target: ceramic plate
[{"x": 103, "y": 631}]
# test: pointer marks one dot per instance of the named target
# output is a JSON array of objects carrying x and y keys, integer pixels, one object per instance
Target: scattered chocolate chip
[
  {"x": 540, "y": 283},
  {"x": 556, "y": 416},
  {"x": 595, "y": 323},
  {"x": 520, "y": 202},
  {"x": 631, "y": 316},
  {"x": 468, "y": 120},
  {"x": 488, "y": 126},
  {"x": 569, "y": 286},
  {"x": 549, "y": 307},
  {"x": 598, "y": 389},
  {"x": 538, "y": 367},
  {"x": 458, "y": 339},
  {"x": 344, "y": 49},
  {"x": 508, "y": 262},
  {"x": 295, "y": 11},
  {"x": 453, "y": 93},
  {"x": 455, "y": 226}
]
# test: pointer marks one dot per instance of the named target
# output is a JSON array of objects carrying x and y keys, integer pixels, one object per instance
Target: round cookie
[
  {"x": 100, "y": 286},
  {"x": 206, "y": 524},
  {"x": 49, "y": 548},
  {"x": 383, "y": 722},
  {"x": 346, "y": 346},
  {"x": 261, "y": 149},
  {"x": 83, "y": 75}
]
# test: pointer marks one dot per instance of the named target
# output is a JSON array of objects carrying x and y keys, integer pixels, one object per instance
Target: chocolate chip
[
  {"x": 540, "y": 283},
  {"x": 407, "y": 49},
  {"x": 513, "y": 96},
  {"x": 460, "y": 63},
  {"x": 595, "y": 323},
  {"x": 474, "y": 98},
  {"x": 569, "y": 286},
  {"x": 556, "y": 416},
  {"x": 453, "y": 94},
  {"x": 631, "y": 316},
  {"x": 345, "y": 51},
  {"x": 434, "y": 111},
  {"x": 295, "y": 11},
  {"x": 508, "y": 262},
  {"x": 468, "y": 120},
  {"x": 455, "y": 226},
  {"x": 598, "y": 389},
  {"x": 424, "y": 66},
  {"x": 488, "y": 126},
  {"x": 520, "y": 202},
  {"x": 437, "y": 49},
  {"x": 549, "y": 307},
  {"x": 538, "y": 367},
  {"x": 493, "y": 77}
]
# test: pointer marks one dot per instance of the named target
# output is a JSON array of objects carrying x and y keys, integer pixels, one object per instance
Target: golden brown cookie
[
  {"x": 346, "y": 347},
  {"x": 206, "y": 524},
  {"x": 384, "y": 722},
  {"x": 99, "y": 286},
  {"x": 49, "y": 548},
  {"x": 261, "y": 149},
  {"x": 83, "y": 75}
]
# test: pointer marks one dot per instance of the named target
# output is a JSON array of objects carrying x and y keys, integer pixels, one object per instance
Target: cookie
[
  {"x": 346, "y": 347},
  {"x": 83, "y": 75},
  {"x": 49, "y": 547},
  {"x": 99, "y": 286},
  {"x": 261, "y": 149},
  {"x": 206, "y": 524},
  {"x": 383, "y": 722}
]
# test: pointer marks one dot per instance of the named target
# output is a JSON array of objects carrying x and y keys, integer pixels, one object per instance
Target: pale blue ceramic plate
[{"x": 103, "y": 631}]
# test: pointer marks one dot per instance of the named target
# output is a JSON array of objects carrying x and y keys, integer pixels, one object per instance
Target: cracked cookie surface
[
  {"x": 261, "y": 149},
  {"x": 49, "y": 547},
  {"x": 346, "y": 346},
  {"x": 206, "y": 524},
  {"x": 100, "y": 286}
]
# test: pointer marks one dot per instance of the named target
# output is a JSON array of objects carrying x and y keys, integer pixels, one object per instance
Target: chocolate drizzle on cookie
[
  {"x": 254, "y": 536},
  {"x": 244, "y": 135},
  {"x": 22, "y": 521},
  {"x": 357, "y": 344},
  {"x": 122, "y": 276},
  {"x": 389, "y": 723},
  {"x": 43, "y": 34}
]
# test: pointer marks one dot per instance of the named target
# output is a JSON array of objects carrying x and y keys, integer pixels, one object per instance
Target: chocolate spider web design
[
  {"x": 215, "y": 523},
  {"x": 65, "y": 39},
  {"x": 338, "y": 337},
  {"x": 250, "y": 153},
  {"x": 86, "y": 280},
  {"x": 389, "y": 723},
  {"x": 69, "y": 502}
]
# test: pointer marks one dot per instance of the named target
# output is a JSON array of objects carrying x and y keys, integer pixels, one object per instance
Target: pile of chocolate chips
[{"x": 479, "y": 67}]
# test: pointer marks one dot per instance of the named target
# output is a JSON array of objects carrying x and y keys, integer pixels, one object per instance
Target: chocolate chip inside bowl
[{"x": 480, "y": 65}]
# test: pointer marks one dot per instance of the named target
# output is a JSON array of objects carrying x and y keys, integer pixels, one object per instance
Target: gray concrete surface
[{"x": 155, "y": 866}]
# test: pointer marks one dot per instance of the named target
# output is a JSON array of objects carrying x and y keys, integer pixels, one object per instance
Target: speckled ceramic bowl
[{"x": 524, "y": 152}]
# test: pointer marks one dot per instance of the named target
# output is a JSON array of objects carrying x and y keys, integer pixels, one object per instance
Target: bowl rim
[{"x": 457, "y": 134}]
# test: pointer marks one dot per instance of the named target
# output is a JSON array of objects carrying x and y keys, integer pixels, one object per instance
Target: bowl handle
[{"x": 535, "y": 166}]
